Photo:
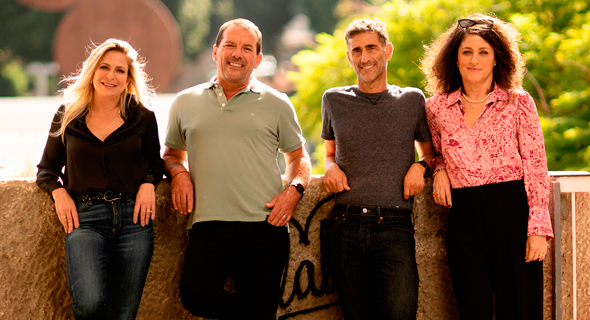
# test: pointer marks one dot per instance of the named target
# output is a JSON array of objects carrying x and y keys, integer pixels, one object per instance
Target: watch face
[{"x": 299, "y": 188}]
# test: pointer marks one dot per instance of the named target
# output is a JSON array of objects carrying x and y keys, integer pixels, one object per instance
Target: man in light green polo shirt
[{"x": 230, "y": 130}]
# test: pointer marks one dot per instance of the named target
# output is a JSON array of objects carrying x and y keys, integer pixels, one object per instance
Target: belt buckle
[{"x": 110, "y": 196}]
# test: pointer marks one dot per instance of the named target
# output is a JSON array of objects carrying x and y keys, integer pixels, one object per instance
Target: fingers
[
  {"x": 536, "y": 248},
  {"x": 68, "y": 217},
  {"x": 345, "y": 183},
  {"x": 335, "y": 180},
  {"x": 67, "y": 221},
  {"x": 145, "y": 213},
  {"x": 448, "y": 198},
  {"x": 136, "y": 210},
  {"x": 182, "y": 201},
  {"x": 278, "y": 219},
  {"x": 272, "y": 203}
]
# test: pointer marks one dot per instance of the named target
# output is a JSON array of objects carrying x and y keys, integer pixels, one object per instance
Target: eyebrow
[
  {"x": 244, "y": 45},
  {"x": 367, "y": 46},
  {"x": 104, "y": 63}
]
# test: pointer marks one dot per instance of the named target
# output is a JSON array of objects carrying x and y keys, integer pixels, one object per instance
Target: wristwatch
[
  {"x": 426, "y": 166},
  {"x": 299, "y": 187}
]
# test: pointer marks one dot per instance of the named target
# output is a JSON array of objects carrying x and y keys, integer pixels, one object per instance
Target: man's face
[
  {"x": 369, "y": 57},
  {"x": 236, "y": 57}
]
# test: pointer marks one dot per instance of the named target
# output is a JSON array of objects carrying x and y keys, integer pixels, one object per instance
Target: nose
[
  {"x": 364, "y": 57},
  {"x": 238, "y": 53}
]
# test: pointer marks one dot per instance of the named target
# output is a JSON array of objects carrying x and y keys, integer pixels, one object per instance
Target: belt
[
  {"x": 372, "y": 211},
  {"x": 109, "y": 196}
]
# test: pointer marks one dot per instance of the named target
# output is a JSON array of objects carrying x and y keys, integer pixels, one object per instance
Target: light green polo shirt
[{"x": 233, "y": 147}]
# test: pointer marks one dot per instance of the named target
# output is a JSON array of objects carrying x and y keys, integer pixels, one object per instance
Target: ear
[
  {"x": 349, "y": 59},
  {"x": 258, "y": 60},
  {"x": 389, "y": 50},
  {"x": 214, "y": 54}
]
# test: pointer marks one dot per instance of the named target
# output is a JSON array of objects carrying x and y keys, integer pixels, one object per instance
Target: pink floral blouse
[{"x": 505, "y": 144}]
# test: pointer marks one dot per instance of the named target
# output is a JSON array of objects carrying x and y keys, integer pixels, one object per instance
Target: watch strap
[
  {"x": 299, "y": 187},
  {"x": 426, "y": 166}
]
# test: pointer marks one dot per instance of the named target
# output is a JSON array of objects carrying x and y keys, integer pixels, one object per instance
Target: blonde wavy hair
[
  {"x": 79, "y": 93},
  {"x": 439, "y": 63}
]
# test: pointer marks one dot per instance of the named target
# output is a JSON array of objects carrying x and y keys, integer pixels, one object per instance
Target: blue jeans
[
  {"x": 108, "y": 258},
  {"x": 372, "y": 262}
]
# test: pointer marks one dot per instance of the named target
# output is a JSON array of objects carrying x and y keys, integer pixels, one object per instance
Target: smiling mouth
[
  {"x": 237, "y": 65},
  {"x": 109, "y": 85},
  {"x": 368, "y": 66}
]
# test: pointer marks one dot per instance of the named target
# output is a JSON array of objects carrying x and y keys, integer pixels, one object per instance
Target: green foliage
[
  {"x": 556, "y": 44},
  {"x": 25, "y": 32},
  {"x": 13, "y": 79},
  {"x": 193, "y": 18}
]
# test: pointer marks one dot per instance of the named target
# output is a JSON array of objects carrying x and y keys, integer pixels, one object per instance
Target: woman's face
[
  {"x": 476, "y": 60},
  {"x": 111, "y": 76}
]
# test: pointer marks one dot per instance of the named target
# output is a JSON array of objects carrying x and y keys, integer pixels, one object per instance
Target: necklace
[
  {"x": 478, "y": 101},
  {"x": 109, "y": 125}
]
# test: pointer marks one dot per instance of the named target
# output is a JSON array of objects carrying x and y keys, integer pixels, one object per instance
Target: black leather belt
[
  {"x": 372, "y": 211},
  {"x": 109, "y": 196}
]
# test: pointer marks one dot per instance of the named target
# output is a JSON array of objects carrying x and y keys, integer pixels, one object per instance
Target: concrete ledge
[{"x": 33, "y": 282}]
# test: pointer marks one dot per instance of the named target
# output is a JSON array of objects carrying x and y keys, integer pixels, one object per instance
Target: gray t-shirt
[{"x": 375, "y": 136}]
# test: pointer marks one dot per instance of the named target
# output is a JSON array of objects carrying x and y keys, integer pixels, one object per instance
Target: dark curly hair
[{"x": 439, "y": 63}]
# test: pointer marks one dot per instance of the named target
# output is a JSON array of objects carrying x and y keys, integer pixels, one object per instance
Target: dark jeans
[
  {"x": 372, "y": 262},
  {"x": 486, "y": 244},
  {"x": 254, "y": 253},
  {"x": 108, "y": 259}
]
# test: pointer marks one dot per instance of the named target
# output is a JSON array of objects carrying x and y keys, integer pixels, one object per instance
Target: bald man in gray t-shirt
[{"x": 370, "y": 131}]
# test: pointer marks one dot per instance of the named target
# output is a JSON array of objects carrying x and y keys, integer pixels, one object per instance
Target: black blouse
[{"x": 127, "y": 158}]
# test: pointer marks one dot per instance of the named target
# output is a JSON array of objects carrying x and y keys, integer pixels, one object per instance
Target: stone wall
[{"x": 33, "y": 282}]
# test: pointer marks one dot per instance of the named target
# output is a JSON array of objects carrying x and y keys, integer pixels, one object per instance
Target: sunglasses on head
[{"x": 466, "y": 23}]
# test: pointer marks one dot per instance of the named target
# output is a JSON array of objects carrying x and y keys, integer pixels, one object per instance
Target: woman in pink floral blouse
[{"x": 491, "y": 169}]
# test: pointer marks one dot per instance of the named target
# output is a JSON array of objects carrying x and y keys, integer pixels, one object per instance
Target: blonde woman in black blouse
[{"x": 107, "y": 140}]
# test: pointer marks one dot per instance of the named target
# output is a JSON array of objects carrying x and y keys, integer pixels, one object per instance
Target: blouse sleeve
[
  {"x": 437, "y": 162},
  {"x": 534, "y": 160},
  {"x": 49, "y": 170},
  {"x": 151, "y": 151}
]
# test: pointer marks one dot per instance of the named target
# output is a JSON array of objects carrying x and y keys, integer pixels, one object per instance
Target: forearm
[
  {"x": 174, "y": 165},
  {"x": 299, "y": 169}
]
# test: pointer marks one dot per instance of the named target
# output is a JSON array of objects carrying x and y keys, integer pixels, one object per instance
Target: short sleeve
[
  {"x": 422, "y": 133},
  {"x": 289, "y": 132},
  {"x": 175, "y": 135},
  {"x": 327, "y": 130}
]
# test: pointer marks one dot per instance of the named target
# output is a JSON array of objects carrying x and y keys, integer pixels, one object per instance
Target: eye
[
  {"x": 120, "y": 71},
  {"x": 104, "y": 67}
]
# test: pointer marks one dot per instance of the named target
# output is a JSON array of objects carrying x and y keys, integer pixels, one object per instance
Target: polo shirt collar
[{"x": 253, "y": 86}]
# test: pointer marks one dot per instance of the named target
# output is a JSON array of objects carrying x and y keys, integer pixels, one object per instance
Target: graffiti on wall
[{"x": 307, "y": 270}]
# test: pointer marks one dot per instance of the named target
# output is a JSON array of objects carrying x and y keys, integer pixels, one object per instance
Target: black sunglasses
[{"x": 466, "y": 23}]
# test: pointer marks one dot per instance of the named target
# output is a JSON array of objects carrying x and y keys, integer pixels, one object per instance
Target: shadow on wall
[{"x": 33, "y": 282}]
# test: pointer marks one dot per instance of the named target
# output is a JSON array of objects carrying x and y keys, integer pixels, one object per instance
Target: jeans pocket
[
  {"x": 82, "y": 205},
  {"x": 330, "y": 224}
]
